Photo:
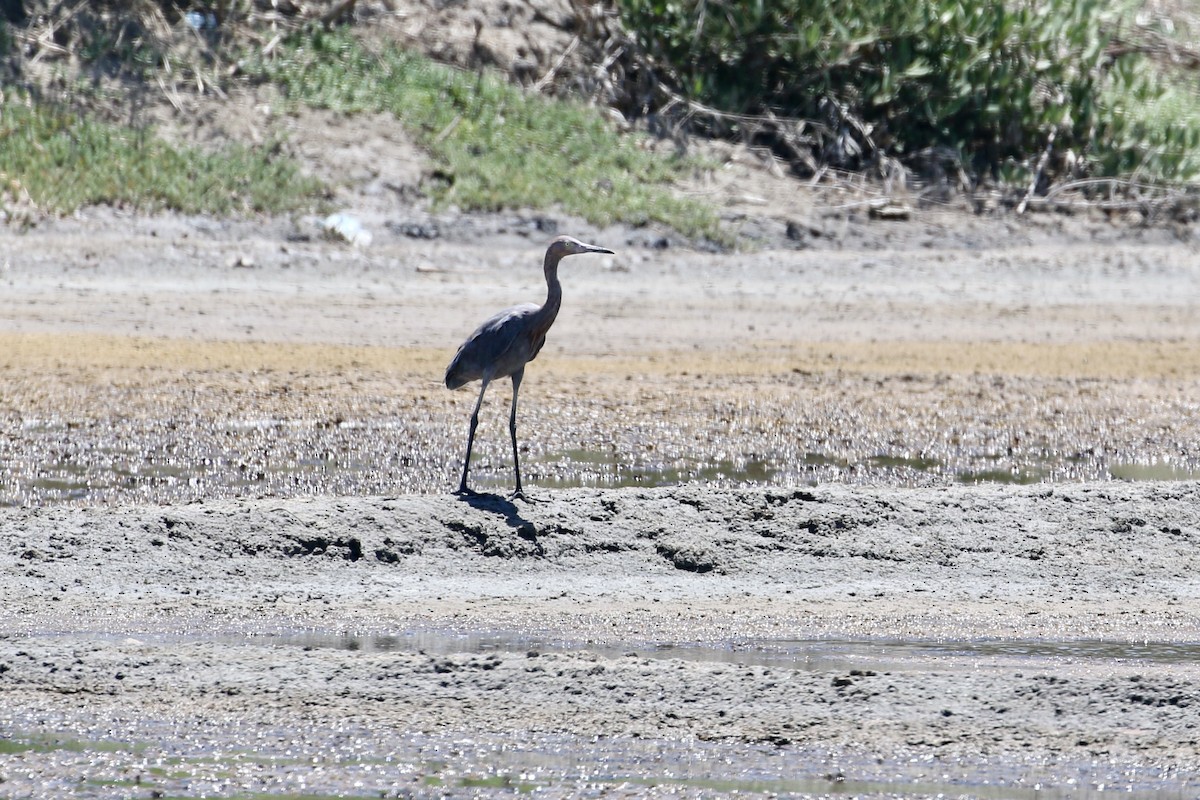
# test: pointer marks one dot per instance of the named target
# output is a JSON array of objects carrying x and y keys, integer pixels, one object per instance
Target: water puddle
[
  {"x": 1016, "y": 476},
  {"x": 162, "y": 475},
  {"x": 1153, "y": 471},
  {"x": 813, "y": 459},
  {"x": 818, "y": 655},
  {"x": 918, "y": 463},
  {"x": 574, "y": 469},
  {"x": 458, "y": 765},
  {"x": 825, "y": 787},
  {"x": 145, "y": 474},
  {"x": 608, "y": 469},
  {"x": 49, "y": 743},
  {"x": 527, "y": 772}
]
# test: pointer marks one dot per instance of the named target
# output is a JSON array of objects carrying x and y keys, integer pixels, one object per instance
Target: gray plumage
[{"x": 506, "y": 342}]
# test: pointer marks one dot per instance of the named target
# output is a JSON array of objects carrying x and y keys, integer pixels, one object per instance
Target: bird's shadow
[{"x": 501, "y": 506}]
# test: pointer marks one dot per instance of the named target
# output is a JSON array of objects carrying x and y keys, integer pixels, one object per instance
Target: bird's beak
[{"x": 591, "y": 248}]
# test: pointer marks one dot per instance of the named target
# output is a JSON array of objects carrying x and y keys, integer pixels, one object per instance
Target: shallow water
[
  {"x": 817, "y": 655},
  {"x": 153, "y": 762},
  {"x": 346, "y": 761},
  {"x": 59, "y": 482},
  {"x": 820, "y": 655},
  {"x": 121, "y": 475},
  {"x": 1154, "y": 471},
  {"x": 162, "y": 438},
  {"x": 604, "y": 469}
]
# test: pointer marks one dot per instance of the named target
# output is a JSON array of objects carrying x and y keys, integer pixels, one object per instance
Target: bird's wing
[{"x": 497, "y": 344}]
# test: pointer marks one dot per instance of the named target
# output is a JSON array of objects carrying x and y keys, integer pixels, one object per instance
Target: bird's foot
[
  {"x": 464, "y": 492},
  {"x": 519, "y": 495}
]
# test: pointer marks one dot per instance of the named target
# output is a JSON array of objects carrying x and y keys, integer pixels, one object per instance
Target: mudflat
[{"x": 882, "y": 516}]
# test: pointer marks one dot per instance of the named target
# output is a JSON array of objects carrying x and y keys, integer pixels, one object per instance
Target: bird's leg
[
  {"x": 512, "y": 429},
  {"x": 462, "y": 486}
]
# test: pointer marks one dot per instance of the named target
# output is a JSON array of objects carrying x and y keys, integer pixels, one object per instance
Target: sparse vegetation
[
  {"x": 494, "y": 145},
  {"x": 64, "y": 161}
]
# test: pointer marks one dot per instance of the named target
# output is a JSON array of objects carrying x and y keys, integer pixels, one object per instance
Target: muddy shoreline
[
  {"x": 229, "y": 565},
  {"x": 342, "y": 626},
  {"x": 1103, "y": 561}
]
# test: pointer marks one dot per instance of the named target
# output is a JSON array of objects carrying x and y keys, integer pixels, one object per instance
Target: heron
[{"x": 506, "y": 342}]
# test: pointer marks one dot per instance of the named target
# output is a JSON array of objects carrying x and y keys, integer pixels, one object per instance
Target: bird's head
[{"x": 570, "y": 246}]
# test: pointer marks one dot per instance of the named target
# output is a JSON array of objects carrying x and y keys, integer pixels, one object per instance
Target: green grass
[
  {"x": 494, "y": 145},
  {"x": 66, "y": 161}
]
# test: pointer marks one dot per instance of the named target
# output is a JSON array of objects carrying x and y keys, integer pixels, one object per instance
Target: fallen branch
[
  {"x": 1037, "y": 173},
  {"x": 549, "y": 76}
]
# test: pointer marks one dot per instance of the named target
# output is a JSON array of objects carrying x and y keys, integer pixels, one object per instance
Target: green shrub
[
  {"x": 992, "y": 80},
  {"x": 1151, "y": 127}
]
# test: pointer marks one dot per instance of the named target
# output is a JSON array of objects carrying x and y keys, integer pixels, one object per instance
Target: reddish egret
[{"x": 504, "y": 344}]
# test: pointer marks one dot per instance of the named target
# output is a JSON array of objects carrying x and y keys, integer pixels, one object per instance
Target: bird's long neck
[{"x": 549, "y": 309}]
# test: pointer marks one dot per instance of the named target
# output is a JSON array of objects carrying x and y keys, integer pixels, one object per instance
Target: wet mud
[
  {"x": 988, "y": 641},
  {"x": 911, "y": 515}
]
